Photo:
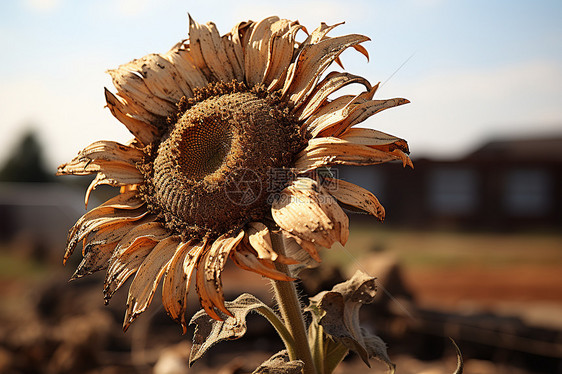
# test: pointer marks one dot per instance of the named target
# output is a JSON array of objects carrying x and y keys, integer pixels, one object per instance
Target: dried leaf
[
  {"x": 279, "y": 364},
  {"x": 337, "y": 311},
  {"x": 209, "y": 331}
]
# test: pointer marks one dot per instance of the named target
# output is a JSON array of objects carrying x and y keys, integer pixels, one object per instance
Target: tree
[{"x": 25, "y": 164}]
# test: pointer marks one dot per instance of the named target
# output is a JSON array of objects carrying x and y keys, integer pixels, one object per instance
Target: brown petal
[
  {"x": 312, "y": 62},
  {"x": 357, "y": 112},
  {"x": 306, "y": 211},
  {"x": 99, "y": 246},
  {"x": 230, "y": 49},
  {"x": 160, "y": 77},
  {"x": 184, "y": 64},
  {"x": 120, "y": 269},
  {"x": 333, "y": 82},
  {"x": 138, "y": 124},
  {"x": 257, "y": 51},
  {"x": 148, "y": 277},
  {"x": 334, "y": 151},
  {"x": 117, "y": 163},
  {"x": 176, "y": 281},
  {"x": 102, "y": 216},
  {"x": 130, "y": 253},
  {"x": 353, "y": 195},
  {"x": 320, "y": 32},
  {"x": 96, "y": 259},
  {"x": 296, "y": 251},
  {"x": 126, "y": 200},
  {"x": 207, "y": 49},
  {"x": 374, "y": 138},
  {"x": 245, "y": 258},
  {"x": 257, "y": 235},
  {"x": 114, "y": 173},
  {"x": 307, "y": 246},
  {"x": 281, "y": 52},
  {"x": 108, "y": 151},
  {"x": 133, "y": 88},
  {"x": 209, "y": 273},
  {"x": 239, "y": 32},
  {"x": 327, "y": 115}
]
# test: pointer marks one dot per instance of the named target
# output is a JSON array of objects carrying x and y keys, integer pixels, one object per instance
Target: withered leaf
[
  {"x": 280, "y": 363},
  {"x": 337, "y": 311},
  {"x": 209, "y": 331}
]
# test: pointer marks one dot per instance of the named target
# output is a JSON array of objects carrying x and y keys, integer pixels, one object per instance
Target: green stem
[
  {"x": 290, "y": 308},
  {"x": 276, "y": 322}
]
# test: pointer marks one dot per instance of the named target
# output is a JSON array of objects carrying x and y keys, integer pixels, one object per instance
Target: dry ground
[{"x": 517, "y": 274}]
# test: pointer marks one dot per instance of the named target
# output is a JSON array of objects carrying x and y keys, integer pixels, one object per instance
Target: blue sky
[{"x": 478, "y": 69}]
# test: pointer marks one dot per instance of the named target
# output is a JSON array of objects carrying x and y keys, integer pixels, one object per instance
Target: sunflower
[{"x": 233, "y": 139}]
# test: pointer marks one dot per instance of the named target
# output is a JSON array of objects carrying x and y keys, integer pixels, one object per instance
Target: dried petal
[
  {"x": 306, "y": 211},
  {"x": 148, "y": 277}
]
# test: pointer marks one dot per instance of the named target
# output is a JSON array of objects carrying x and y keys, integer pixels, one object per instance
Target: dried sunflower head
[{"x": 229, "y": 132}]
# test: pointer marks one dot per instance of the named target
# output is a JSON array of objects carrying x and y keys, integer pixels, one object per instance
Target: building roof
[{"x": 547, "y": 149}]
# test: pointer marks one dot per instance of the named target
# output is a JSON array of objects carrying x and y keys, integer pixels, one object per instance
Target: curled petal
[
  {"x": 130, "y": 253},
  {"x": 150, "y": 231},
  {"x": 185, "y": 66},
  {"x": 281, "y": 53},
  {"x": 355, "y": 196},
  {"x": 257, "y": 235},
  {"x": 148, "y": 277},
  {"x": 230, "y": 50},
  {"x": 125, "y": 200},
  {"x": 294, "y": 250},
  {"x": 99, "y": 246},
  {"x": 208, "y": 51},
  {"x": 359, "y": 112},
  {"x": 209, "y": 273},
  {"x": 245, "y": 258},
  {"x": 114, "y": 173},
  {"x": 177, "y": 280},
  {"x": 320, "y": 33},
  {"x": 139, "y": 124},
  {"x": 308, "y": 246},
  {"x": 239, "y": 33},
  {"x": 343, "y": 113},
  {"x": 305, "y": 210},
  {"x": 160, "y": 77},
  {"x": 109, "y": 151},
  {"x": 334, "y": 151},
  {"x": 311, "y": 63},
  {"x": 333, "y": 82},
  {"x": 132, "y": 87},
  {"x": 257, "y": 51},
  {"x": 115, "y": 162},
  {"x": 100, "y": 217},
  {"x": 375, "y": 139}
]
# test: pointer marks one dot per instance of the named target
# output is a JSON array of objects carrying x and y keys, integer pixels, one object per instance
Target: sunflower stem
[{"x": 290, "y": 307}]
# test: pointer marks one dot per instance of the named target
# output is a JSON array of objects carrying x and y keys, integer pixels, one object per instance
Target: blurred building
[
  {"x": 39, "y": 214},
  {"x": 502, "y": 185}
]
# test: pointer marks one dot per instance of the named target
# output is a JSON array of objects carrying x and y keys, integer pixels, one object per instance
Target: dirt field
[{"x": 512, "y": 274}]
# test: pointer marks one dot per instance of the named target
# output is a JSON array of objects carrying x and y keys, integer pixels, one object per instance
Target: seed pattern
[{"x": 213, "y": 145}]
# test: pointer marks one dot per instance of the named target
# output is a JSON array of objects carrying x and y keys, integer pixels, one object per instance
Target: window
[
  {"x": 453, "y": 190},
  {"x": 527, "y": 192}
]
